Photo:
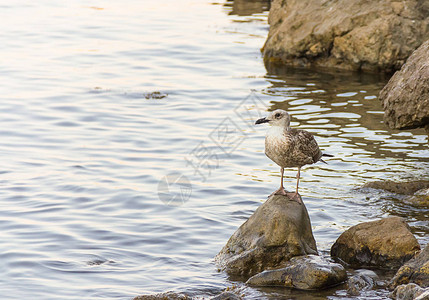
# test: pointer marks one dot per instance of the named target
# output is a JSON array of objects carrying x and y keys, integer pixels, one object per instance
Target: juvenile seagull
[{"x": 289, "y": 147}]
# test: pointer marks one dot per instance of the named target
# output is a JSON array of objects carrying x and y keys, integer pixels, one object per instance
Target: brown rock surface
[
  {"x": 404, "y": 188},
  {"x": 417, "y": 191},
  {"x": 415, "y": 270},
  {"x": 277, "y": 231},
  {"x": 386, "y": 243},
  {"x": 305, "y": 273},
  {"x": 346, "y": 34},
  {"x": 405, "y": 98}
]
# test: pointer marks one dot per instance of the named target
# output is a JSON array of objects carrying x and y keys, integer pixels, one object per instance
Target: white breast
[
  {"x": 276, "y": 144},
  {"x": 275, "y": 133}
]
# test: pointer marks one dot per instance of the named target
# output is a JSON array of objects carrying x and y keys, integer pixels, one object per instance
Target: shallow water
[{"x": 101, "y": 101}]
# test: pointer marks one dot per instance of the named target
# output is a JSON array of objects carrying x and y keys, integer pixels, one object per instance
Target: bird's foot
[
  {"x": 297, "y": 198},
  {"x": 280, "y": 191}
]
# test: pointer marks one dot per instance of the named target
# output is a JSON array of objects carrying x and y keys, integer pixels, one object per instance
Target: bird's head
[{"x": 279, "y": 117}]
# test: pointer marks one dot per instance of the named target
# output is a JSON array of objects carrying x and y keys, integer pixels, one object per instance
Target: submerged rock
[
  {"x": 415, "y": 270},
  {"x": 306, "y": 273},
  {"x": 346, "y": 34},
  {"x": 405, "y": 98},
  {"x": 277, "y": 231},
  {"x": 386, "y": 243},
  {"x": 417, "y": 191},
  {"x": 227, "y": 296},
  {"x": 164, "y": 296},
  {"x": 403, "y": 188},
  {"x": 410, "y": 291},
  {"x": 420, "y": 198},
  {"x": 362, "y": 281}
]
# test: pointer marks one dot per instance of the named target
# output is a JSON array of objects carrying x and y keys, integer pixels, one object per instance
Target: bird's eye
[{"x": 277, "y": 115}]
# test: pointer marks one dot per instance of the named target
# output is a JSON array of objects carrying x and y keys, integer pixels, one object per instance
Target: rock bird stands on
[{"x": 289, "y": 147}]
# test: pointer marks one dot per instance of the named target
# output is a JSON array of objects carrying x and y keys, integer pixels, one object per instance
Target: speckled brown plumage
[{"x": 292, "y": 148}]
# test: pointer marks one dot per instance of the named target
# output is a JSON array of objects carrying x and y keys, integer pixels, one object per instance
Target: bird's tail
[{"x": 327, "y": 155}]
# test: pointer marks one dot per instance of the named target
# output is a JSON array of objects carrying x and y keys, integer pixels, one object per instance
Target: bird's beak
[{"x": 263, "y": 120}]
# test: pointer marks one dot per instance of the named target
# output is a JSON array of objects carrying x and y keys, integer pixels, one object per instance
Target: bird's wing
[{"x": 307, "y": 144}]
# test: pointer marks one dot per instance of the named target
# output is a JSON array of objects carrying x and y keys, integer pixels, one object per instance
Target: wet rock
[
  {"x": 386, "y": 243},
  {"x": 306, "y": 273},
  {"x": 403, "y": 188},
  {"x": 164, "y": 296},
  {"x": 155, "y": 95},
  {"x": 362, "y": 281},
  {"x": 415, "y": 270},
  {"x": 410, "y": 291},
  {"x": 346, "y": 34},
  {"x": 227, "y": 296},
  {"x": 420, "y": 198},
  {"x": 277, "y": 231},
  {"x": 405, "y": 98},
  {"x": 418, "y": 190}
]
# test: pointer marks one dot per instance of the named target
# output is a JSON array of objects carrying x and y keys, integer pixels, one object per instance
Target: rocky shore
[
  {"x": 383, "y": 36},
  {"x": 276, "y": 247},
  {"x": 346, "y": 34}
]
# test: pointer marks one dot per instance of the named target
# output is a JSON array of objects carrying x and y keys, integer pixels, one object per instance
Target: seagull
[{"x": 289, "y": 147}]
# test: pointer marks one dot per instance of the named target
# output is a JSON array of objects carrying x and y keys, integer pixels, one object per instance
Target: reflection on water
[
  {"x": 247, "y": 7},
  {"x": 102, "y": 102}
]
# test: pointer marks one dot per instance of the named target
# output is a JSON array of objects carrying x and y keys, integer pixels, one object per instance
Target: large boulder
[
  {"x": 305, "y": 273},
  {"x": 347, "y": 34},
  {"x": 386, "y": 244},
  {"x": 405, "y": 98},
  {"x": 415, "y": 270},
  {"x": 277, "y": 231}
]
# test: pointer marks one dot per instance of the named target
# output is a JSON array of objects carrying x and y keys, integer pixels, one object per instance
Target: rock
[
  {"x": 305, "y": 273},
  {"x": 362, "y": 281},
  {"x": 405, "y": 98},
  {"x": 415, "y": 270},
  {"x": 346, "y": 34},
  {"x": 404, "y": 188},
  {"x": 164, "y": 296},
  {"x": 227, "y": 296},
  {"x": 420, "y": 198},
  {"x": 418, "y": 190},
  {"x": 277, "y": 231},
  {"x": 410, "y": 291},
  {"x": 386, "y": 243}
]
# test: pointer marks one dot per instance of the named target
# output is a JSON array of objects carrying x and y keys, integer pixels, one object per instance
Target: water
[{"x": 100, "y": 101}]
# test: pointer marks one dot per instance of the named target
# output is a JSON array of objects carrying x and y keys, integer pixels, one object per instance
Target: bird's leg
[
  {"x": 281, "y": 190},
  {"x": 297, "y": 196},
  {"x": 297, "y": 179}
]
